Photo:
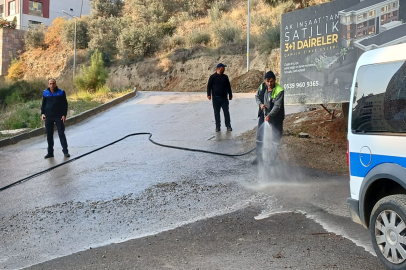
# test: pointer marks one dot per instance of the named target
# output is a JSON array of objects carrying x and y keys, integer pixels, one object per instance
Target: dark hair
[{"x": 270, "y": 75}]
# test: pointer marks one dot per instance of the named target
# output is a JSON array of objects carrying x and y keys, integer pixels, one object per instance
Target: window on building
[
  {"x": 393, "y": 5},
  {"x": 383, "y": 18},
  {"x": 348, "y": 19},
  {"x": 30, "y": 22},
  {"x": 361, "y": 25},
  {"x": 372, "y": 13},
  {"x": 383, "y": 9},
  {"x": 381, "y": 93},
  {"x": 12, "y": 8},
  {"x": 1, "y": 9},
  {"x": 35, "y": 8},
  {"x": 371, "y": 30},
  {"x": 348, "y": 27},
  {"x": 360, "y": 17}
]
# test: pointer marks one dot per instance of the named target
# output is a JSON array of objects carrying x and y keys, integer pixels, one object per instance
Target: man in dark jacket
[
  {"x": 217, "y": 89},
  {"x": 53, "y": 110},
  {"x": 270, "y": 100}
]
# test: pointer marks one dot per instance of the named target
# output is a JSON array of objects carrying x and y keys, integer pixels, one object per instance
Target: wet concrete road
[{"x": 134, "y": 188}]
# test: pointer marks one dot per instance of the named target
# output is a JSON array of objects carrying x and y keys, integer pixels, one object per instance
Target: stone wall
[{"x": 11, "y": 43}]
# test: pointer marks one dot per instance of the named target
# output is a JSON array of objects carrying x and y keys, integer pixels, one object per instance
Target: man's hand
[
  {"x": 263, "y": 106},
  {"x": 267, "y": 118},
  {"x": 43, "y": 117},
  {"x": 230, "y": 98},
  {"x": 63, "y": 119},
  {"x": 209, "y": 97}
]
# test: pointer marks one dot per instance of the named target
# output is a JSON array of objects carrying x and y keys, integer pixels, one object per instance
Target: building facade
[
  {"x": 34, "y": 12},
  {"x": 366, "y": 19}
]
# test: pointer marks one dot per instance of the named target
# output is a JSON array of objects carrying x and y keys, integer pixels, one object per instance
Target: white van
[{"x": 377, "y": 151}]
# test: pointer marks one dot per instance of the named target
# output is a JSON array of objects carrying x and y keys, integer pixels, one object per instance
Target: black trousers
[
  {"x": 221, "y": 103},
  {"x": 277, "y": 131},
  {"x": 49, "y": 126}
]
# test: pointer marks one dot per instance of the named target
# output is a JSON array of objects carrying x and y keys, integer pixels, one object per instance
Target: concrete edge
[{"x": 70, "y": 121}]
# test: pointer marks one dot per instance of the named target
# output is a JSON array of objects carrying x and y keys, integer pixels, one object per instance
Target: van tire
[{"x": 388, "y": 232}]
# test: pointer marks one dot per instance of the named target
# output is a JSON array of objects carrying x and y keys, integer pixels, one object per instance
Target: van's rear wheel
[{"x": 388, "y": 231}]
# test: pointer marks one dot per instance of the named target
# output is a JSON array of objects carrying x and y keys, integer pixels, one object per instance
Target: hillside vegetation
[{"x": 129, "y": 31}]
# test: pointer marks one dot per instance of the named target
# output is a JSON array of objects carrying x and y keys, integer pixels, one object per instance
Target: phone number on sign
[{"x": 300, "y": 84}]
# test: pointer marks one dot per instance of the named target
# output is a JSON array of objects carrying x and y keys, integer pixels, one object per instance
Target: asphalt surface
[{"x": 137, "y": 190}]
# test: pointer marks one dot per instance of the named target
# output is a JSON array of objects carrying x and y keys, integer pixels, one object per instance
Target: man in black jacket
[
  {"x": 53, "y": 110},
  {"x": 217, "y": 88}
]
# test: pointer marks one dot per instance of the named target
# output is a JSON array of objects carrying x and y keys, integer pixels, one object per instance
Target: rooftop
[
  {"x": 365, "y": 4},
  {"x": 386, "y": 36}
]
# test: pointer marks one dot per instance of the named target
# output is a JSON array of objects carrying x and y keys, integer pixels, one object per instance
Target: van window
[{"x": 380, "y": 98}]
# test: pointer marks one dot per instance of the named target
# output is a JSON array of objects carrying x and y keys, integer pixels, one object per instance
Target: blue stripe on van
[{"x": 357, "y": 169}]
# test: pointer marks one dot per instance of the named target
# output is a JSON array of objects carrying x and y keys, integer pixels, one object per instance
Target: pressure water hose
[{"x": 129, "y": 135}]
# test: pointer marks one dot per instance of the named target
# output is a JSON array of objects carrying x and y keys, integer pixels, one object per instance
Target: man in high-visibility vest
[{"x": 270, "y": 100}]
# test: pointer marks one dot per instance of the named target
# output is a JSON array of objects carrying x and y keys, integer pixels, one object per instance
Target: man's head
[
  {"x": 270, "y": 79},
  {"x": 220, "y": 68},
  {"x": 52, "y": 84}
]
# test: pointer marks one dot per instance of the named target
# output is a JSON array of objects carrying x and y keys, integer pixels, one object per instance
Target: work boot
[
  {"x": 217, "y": 129},
  {"x": 49, "y": 155},
  {"x": 229, "y": 128},
  {"x": 65, "y": 153},
  {"x": 256, "y": 161}
]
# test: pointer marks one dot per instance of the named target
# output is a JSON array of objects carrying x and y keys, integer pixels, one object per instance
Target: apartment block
[{"x": 34, "y": 12}]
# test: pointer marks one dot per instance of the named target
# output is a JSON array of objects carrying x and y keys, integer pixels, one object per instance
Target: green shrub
[
  {"x": 227, "y": 33},
  {"x": 196, "y": 7},
  {"x": 176, "y": 41},
  {"x": 287, "y": 6},
  {"x": 82, "y": 37},
  {"x": 167, "y": 28},
  {"x": 198, "y": 37},
  {"x": 270, "y": 38},
  {"x": 94, "y": 76},
  {"x": 34, "y": 38},
  {"x": 215, "y": 14},
  {"x": 13, "y": 99},
  {"x": 156, "y": 12},
  {"x": 220, "y": 5},
  {"x": 23, "y": 116},
  {"x": 22, "y": 91},
  {"x": 134, "y": 42}
]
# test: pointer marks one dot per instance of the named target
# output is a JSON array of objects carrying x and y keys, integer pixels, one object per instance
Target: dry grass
[{"x": 165, "y": 64}]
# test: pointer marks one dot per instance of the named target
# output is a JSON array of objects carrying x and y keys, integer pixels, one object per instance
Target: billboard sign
[{"x": 320, "y": 46}]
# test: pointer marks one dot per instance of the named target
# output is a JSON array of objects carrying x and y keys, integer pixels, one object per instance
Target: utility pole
[
  {"x": 74, "y": 46},
  {"x": 248, "y": 37}
]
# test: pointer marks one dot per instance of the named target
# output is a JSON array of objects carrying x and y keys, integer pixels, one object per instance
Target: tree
[
  {"x": 82, "y": 37},
  {"x": 94, "y": 76},
  {"x": 107, "y": 8},
  {"x": 103, "y": 33}
]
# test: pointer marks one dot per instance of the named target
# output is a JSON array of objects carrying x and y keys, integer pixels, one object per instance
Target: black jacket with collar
[
  {"x": 54, "y": 104},
  {"x": 219, "y": 86}
]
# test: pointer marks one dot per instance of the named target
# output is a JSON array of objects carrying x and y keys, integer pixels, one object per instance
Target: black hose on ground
[{"x": 129, "y": 135}]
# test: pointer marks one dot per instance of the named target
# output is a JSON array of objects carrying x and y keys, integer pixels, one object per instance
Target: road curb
[{"x": 70, "y": 121}]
